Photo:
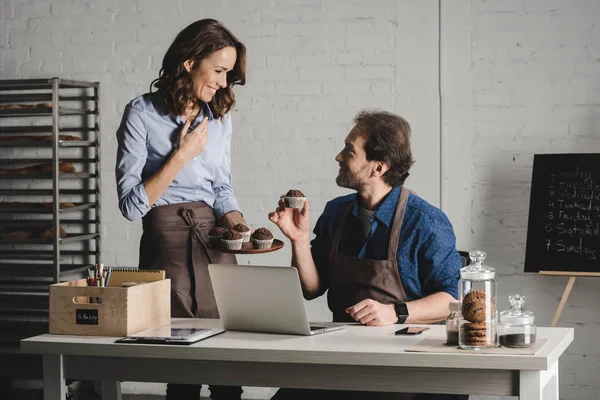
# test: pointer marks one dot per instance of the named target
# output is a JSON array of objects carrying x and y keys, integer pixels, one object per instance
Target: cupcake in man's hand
[
  {"x": 215, "y": 235},
  {"x": 262, "y": 239},
  {"x": 244, "y": 231},
  {"x": 232, "y": 240},
  {"x": 294, "y": 199}
]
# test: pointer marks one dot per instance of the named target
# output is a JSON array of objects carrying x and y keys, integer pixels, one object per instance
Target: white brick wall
[
  {"x": 535, "y": 89},
  {"x": 484, "y": 84}
]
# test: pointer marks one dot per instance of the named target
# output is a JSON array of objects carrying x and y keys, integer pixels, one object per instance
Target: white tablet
[{"x": 170, "y": 335}]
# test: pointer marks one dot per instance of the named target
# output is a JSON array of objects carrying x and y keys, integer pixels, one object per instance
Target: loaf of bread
[
  {"x": 14, "y": 204},
  {"x": 44, "y": 138},
  {"x": 38, "y": 169},
  {"x": 29, "y": 233},
  {"x": 24, "y": 106}
]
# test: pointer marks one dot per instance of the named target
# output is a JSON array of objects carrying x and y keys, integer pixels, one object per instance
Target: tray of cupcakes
[{"x": 241, "y": 240}]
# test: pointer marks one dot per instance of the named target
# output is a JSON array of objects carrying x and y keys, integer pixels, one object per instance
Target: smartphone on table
[{"x": 412, "y": 330}]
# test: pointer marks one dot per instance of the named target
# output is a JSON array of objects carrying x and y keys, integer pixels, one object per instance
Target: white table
[{"x": 356, "y": 358}]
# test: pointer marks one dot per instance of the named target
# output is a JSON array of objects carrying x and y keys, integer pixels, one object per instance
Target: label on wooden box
[{"x": 86, "y": 317}]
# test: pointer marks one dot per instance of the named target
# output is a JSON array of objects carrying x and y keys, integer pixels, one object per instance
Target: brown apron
[
  {"x": 352, "y": 280},
  {"x": 174, "y": 239}
]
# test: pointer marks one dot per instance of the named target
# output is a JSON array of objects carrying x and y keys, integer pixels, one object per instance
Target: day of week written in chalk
[
  {"x": 567, "y": 230},
  {"x": 561, "y": 246},
  {"x": 577, "y": 173},
  {"x": 572, "y": 216}
]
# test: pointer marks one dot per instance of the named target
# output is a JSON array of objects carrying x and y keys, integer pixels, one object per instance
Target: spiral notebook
[{"x": 116, "y": 276}]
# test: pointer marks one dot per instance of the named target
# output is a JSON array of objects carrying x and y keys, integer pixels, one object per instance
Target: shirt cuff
[
  {"x": 225, "y": 207},
  {"x": 139, "y": 205}
]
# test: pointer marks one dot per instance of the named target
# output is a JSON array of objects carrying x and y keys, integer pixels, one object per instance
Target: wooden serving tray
[{"x": 248, "y": 249}]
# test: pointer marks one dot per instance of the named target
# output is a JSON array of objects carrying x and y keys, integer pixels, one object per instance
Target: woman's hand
[
  {"x": 192, "y": 143},
  {"x": 292, "y": 222}
]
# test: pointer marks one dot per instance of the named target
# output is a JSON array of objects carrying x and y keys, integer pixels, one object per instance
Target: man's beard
[{"x": 345, "y": 179}]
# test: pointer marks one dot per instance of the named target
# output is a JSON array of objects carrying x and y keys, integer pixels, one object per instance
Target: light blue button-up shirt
[{"x": 147, "y": 137}]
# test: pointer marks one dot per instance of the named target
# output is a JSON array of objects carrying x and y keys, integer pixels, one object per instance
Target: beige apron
[{"x": 175, "y": 239}]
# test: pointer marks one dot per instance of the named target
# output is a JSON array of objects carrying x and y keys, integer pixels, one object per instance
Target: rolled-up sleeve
[
  {"x": 131, "y": 158},
  {"x": 439, "y": 261},
  {"x": 225, "y": 201}
]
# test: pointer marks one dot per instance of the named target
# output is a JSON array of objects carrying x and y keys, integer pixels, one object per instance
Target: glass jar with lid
[
  {"x": 477, "y": 298},
  {"x": 452, "y": 323},
  {"x": 517, "y": 326}
]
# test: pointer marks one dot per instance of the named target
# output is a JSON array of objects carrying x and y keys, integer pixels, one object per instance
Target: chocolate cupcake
[
  {"x": 232, "y": 240},
  {"x": 262, "y": 238},
  {"x": 244, "y": 231},
  {"x": 215, "y": 234},
  {"x": 294, "y": 199}
]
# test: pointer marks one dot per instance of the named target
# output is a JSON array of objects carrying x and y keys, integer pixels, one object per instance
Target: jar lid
[
  {"x": 453, "y": 306},
  {"x": 516, "y": 315},
  {"x": 477, "y": 270}
]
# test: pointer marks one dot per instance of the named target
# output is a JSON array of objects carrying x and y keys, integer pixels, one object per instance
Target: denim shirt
[
  {"x": 147, "y": 137},
  {"x": 428, "y": 261}
]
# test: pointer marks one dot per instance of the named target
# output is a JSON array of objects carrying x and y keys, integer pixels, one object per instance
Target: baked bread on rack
[
  {"x": 19, "y": 204},
  {"x": 29, "y": 233},
  {"x": 37, "y": 138},
  {"x": 24, "y": 106},
  {"x": 65, "y": 167}
]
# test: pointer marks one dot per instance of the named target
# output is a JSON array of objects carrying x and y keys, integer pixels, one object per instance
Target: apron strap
[
  {"x": 338, "y": 232},
  {"x": 397, "y": 224}
]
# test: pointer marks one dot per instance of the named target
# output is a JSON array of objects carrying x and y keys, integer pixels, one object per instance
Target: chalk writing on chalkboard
[{"x": 563, "y": 231}]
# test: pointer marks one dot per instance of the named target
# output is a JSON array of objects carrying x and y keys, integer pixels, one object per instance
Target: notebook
[{"x": 116, "y": 276}]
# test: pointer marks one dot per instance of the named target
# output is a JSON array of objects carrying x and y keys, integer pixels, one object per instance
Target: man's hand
[
  {"x": 192, "y": 143},
  {"x": 292, "y": 222},
  {"x": 373, "y": 313}
]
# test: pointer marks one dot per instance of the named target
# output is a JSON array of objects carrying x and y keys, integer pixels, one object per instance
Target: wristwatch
[{"x": 401, "y": 312}]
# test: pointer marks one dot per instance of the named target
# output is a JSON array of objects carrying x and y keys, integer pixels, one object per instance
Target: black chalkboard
[{"x": 563, "y": 232}]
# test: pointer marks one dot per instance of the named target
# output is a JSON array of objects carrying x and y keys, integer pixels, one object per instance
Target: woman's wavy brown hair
[{"x": 196, "y": 42}]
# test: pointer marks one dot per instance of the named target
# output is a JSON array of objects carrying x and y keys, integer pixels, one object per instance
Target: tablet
[{"x": 170, "y": 335}]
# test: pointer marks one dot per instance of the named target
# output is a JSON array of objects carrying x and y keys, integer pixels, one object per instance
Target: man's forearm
[
  {"x": 309, "y": 277},
  {"x": 429, "y": 309}
]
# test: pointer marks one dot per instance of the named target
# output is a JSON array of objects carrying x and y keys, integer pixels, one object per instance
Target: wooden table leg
[
  {"x": 54, "y": 378},
  {"x": 539, "y": 385}
]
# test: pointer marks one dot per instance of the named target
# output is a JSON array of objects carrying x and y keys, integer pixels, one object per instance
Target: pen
[{"x": 108, "y": 276}]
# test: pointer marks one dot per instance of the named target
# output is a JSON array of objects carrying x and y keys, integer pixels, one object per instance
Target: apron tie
[{"x": 189, "y": 216}]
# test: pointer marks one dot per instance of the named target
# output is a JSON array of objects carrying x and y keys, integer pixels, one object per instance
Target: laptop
[
  {"x": 264, "y": 299},
  {"x": 171, "y": 335}
]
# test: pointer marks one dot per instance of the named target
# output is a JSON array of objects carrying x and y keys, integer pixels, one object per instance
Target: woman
[{"x": 173, "y": 169}]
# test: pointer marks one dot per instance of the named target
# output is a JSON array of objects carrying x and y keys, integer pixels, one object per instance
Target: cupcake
[
  {"x": 262, "y": 238},
  {"x": 294, "y": 199},
  {"x": 232, "y": 240},
  {"x": 244, "y": 231},
  {"x": 215, "y": 234}
]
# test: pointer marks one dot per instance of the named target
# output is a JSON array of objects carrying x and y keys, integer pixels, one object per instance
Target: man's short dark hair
[{"x": 388, "y": 140}]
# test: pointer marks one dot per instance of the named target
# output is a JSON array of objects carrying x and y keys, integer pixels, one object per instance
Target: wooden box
[{"x": 77, "y": 309}]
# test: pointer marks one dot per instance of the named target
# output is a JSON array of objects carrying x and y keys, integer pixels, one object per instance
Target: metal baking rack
[{"x": 34, "y": 113}]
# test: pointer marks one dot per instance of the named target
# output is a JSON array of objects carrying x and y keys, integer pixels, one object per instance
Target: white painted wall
[{"x": 484, "y": 84}]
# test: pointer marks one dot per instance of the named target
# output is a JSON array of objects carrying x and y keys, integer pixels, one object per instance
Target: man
[{"x": 385, "y": 255}]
